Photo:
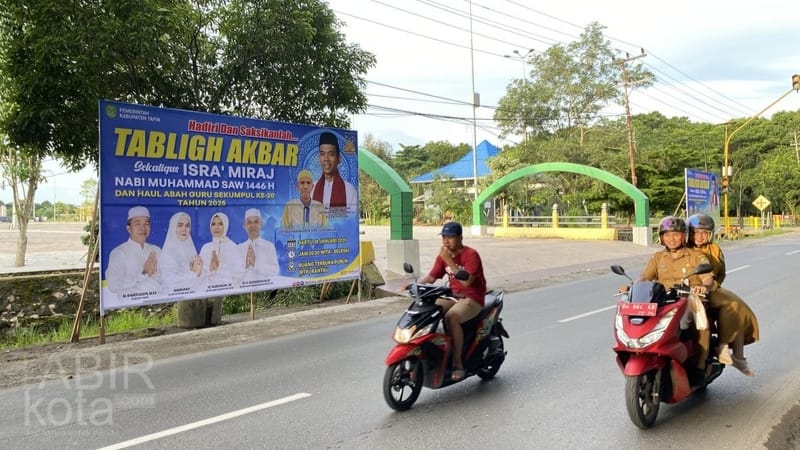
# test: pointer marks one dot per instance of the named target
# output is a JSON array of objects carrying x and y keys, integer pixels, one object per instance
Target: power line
[{"x": 523, "y": 33}]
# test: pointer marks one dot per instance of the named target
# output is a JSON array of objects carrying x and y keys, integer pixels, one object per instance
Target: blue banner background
[{"x": 136, "y": 169}]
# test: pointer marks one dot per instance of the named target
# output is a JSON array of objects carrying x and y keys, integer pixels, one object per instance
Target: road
[{"x": 559, "y": 388}]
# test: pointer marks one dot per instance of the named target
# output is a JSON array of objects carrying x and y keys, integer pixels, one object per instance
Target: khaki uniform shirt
[
  {"x": 714, "y": 254},
  {"x": 669, "y": 270}
]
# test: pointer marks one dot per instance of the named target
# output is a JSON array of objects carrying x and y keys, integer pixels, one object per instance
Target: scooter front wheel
[
  {"x": 402, "y": 383},
  {"x": 642, "y": 398}
]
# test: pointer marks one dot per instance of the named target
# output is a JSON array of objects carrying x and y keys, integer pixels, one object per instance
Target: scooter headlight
[
  {"x": 654, "y": 335},
  {"x": 406, "y": 335}
]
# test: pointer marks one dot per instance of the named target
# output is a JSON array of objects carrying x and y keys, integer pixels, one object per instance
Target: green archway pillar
[
  {"x": 401, "y": 216},
  {"x": 401, "y": 246}
]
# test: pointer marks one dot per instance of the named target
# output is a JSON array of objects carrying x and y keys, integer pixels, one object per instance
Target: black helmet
[
  {"x": 671, "y": 223},
  {"x": 700, "y": 222}
]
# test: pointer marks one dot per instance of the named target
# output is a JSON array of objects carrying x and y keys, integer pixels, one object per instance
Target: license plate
[{"x": 638, "y": 309}]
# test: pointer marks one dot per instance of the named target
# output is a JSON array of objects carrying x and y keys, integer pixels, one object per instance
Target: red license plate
[{"x": 638, "y": 309}]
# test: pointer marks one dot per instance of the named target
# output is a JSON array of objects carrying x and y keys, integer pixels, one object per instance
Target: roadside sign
[{"x": 761, "y": 202}]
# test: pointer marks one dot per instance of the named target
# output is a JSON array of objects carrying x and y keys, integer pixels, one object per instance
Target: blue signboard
[
  {"x": 702, "y": 193},
  {"x": 196, "y": 205}
]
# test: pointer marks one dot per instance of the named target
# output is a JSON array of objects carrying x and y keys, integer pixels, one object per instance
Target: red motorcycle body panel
[
  {"x": 640, "y": 363},
  {"x": 680, "y": 383},
  {"x": 434, "y": 376},
  {"x": 669, "y": 344},
  {"x": 402, "y": 351}
]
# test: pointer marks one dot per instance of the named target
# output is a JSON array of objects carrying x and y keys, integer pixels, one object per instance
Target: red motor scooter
[
  {"x": 423, "y": 354},
  {"x": 654, "y": 350}
]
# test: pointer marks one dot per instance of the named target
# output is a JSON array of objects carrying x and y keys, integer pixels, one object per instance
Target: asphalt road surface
[{"x": 559, "y": 388}]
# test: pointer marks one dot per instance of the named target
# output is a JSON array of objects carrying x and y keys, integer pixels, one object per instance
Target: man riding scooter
[{"x": 469, "y": 293}]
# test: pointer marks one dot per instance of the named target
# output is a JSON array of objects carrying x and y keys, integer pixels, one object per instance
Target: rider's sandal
[
  {"x": 458, "y": 374},
  {"x": 724, "y": 355},
  {"x": 741, "y": 364}
]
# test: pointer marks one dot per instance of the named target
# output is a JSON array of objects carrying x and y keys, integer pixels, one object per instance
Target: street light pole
[
  {"x": 524, "y": 81},
  {"x": 726, "y": 170},
  {"x": 524, "y": 59}
]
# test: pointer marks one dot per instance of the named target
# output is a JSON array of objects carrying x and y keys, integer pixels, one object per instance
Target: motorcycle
[
  {"x": 654, "y": 348},
  {"x": 423, "y": 353}
]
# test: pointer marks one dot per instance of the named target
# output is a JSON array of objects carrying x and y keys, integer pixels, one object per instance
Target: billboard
[
  {"x": 702, "y": 193},
  {"x": 196, "y": 205}
]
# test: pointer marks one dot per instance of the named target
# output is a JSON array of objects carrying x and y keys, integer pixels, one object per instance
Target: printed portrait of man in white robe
[
  {"x": 259, "y": 258},
  {"x": 133, "y": 265}
]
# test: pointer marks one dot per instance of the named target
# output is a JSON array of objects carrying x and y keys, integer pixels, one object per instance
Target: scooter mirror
[
  {"x": 408, "y": 268},
  {"x": 703, "y": 268},
  {"x": 462, "y": 275},
  {"x": 618, "y": 270}
]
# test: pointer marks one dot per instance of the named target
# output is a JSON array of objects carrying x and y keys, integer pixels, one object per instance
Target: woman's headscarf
[
  {"x": 173, "y": 247},
  {"x": 225, "y": 222}
]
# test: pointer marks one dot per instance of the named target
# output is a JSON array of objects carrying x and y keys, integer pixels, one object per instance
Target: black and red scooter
[{"x": 423, "y": 354}]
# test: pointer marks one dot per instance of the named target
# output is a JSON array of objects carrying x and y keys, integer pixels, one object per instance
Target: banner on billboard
[
  {"x": 195, "y": 205},
  {"x": 702, "y": 193}
]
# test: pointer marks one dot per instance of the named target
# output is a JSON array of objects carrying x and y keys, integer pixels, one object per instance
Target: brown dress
[{"x": 735, "y": 316}]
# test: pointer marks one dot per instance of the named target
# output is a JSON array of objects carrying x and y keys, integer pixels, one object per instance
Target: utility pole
[
  {"x": 475, "y": 102},
  {"x": 796, "y": 147},
  {"x": 628, "y": 124}
]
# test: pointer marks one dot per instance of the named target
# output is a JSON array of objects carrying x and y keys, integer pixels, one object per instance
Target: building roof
[{"x": 463, "y": 168}]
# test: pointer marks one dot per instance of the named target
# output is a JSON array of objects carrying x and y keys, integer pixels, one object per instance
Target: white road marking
[
  {"x": 580, "y": 316},
  {"x": 792, "y": 253},
  {"x": 736, "y": 269},
  {"x": 202, "y": 423}
]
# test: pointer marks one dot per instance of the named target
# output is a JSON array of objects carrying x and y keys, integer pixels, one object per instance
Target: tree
[
  {"x": 88, "y": 191},
  {"x": 372, "y": 197},
  {"x": 568, "y": 87},
  {"x": 414, "y": 160},
  {"x": 287, "y": 60},
  {"x": 278, "y": 59},
  {"x": 780, "y": 180},
  {"x": 22, "y": 170},
  {"x": 448, "y": 201}
]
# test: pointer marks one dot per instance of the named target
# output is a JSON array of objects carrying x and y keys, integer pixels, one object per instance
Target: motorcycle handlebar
[{"x": 684, "y": 292}]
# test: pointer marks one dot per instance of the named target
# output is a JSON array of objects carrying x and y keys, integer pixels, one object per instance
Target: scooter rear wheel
[
  {"x": 496, "y": 356},
  {"x": 402, "y": 383},
  {"x": 642, "y": 398}
]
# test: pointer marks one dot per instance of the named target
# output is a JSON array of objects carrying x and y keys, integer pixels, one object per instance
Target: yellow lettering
[
  {"x": 122, "y": 138},
  {"x": 291, "y": 155},
  {"x": 171, "y": 147},
  {"x": 137, "y": 145},
  {"x": 214, "y": 149},
  {"x": 234, "y": 151},
  {"x": 249, "y": 155},
  {"x": 277, "y": 155},
  {"x": 264, "y": 151},
  {"x": 196, "y": 147},
  {"x": 155, "y": 145}
]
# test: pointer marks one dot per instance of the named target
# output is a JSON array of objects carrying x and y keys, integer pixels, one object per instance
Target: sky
[{"x": 713, "y": 61}]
